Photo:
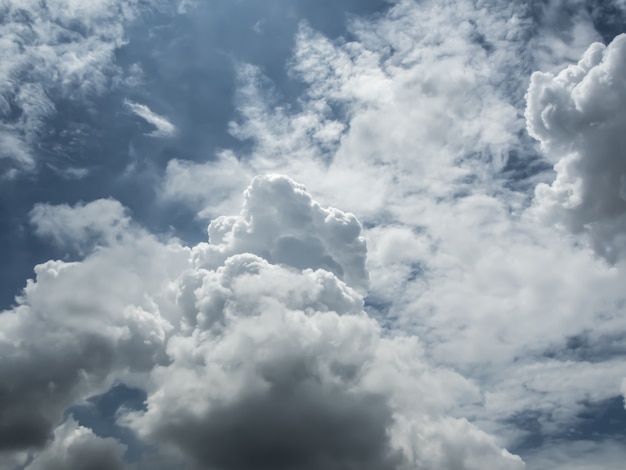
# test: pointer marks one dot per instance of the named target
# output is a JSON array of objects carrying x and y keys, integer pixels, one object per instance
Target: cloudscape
[{"x": 312, "y": 235}]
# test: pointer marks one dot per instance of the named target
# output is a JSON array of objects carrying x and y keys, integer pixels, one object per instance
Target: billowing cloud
[
  {"x": 579, "y": 116},
  {"x": 76, "y": 447},
  {"x": 249, "y": 359},
  {"x": 271, "y": 373},
  {"x": 76, "y": 327},
  {"x": 282, "y": 223},
  {"x": 282, "y": 369}
]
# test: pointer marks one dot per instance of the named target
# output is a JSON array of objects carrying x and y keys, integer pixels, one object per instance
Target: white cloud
[
  {"x": 53, "y": 51},
  {"x": 485, "y": 314},
  {"x": 280, "y": 222},
  {"x": 413, "y": 112},
  {"x": 280, "y": 368},
  {"x": 578, "y": 116},
  {"x": 580, "y": 455},
  {"x": 77, "y": 327},
  {"x": 82, "y": 226},
  {"x": 251, "y": 357},
  {"x": 13, "y": 147},
  {"x": 206, "y": 186},
  {"x": 283, "y": 371},
  {"x": 164, "y": 128},
  {"x": 409, "y": 126}
]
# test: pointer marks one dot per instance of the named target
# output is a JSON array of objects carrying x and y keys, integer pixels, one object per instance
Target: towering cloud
[
  {"x": 579, "y": 116},
  {"x": 254, "y": 351}
]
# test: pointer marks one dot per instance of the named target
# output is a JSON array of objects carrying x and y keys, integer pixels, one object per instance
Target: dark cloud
[
  {"x": 41, "y": 381},
  {"x": 297, "y": 424},
  {"x": 77, "y": 448}
]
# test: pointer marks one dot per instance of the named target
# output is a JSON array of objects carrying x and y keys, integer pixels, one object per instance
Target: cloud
[
  {"x": 580, "y": 455},
  {"x": 471, "y": 326},
  {"x": 82, "y": 226},
  {"x": 13, "y": 147},
  {"x": 369, "y": 121},
  {"x": 77, "y": 327},
  {"x": 58, "y": 54},
  {"x": 416, "y": 130},
  {"x": 272, "y": 377},
  {"x": 282, "y": 368},
  {"x": 206, "y": 186},
  {"x": 164, "y": 128},
  {"x": 578, "y": 116},
  {"x": 76, "y": 447},
  {"x": 249, "y": 356},
  {"x": 280, "y": 222}
]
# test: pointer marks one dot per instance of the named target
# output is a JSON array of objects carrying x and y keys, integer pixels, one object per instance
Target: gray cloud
[
  {"x": 42, "y": 381},
  {"x": 74, "y": 331},
  {"x": 298, "y": 424},
  {"x": 77, "y": 448},
  {"x": 252, "y": 354}
]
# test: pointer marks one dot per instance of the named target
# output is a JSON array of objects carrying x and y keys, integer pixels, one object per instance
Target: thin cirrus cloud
[
  {"x": 164, "y": 128},
  {"x": 436, "y": 283},
  {"x": 54, "y": 53}
]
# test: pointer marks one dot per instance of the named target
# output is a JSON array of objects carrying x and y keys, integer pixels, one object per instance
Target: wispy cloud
[
  {"x": 66, "y": 56},
  {"x": 164, "y": 128}
]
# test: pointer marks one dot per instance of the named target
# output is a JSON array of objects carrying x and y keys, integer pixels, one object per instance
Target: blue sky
[{"x": 305, "y": 235}]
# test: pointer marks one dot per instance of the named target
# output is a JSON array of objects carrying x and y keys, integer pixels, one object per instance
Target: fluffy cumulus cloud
[
  {"x": 76, "y": 447},
  {"x": 281, "y": 222},
  {"x": 77, "y": 327},
  {"x": 578, "y": 116},
  {"x": 249, "y": 360},
  {"x": 271, "y": 371}
]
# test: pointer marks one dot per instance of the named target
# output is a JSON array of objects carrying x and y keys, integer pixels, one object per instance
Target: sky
[{"x": 312, "y": 235}]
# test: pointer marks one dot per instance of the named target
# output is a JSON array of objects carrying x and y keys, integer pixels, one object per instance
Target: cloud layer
[
  {"x": 464, "y": 305},
  {"x": 55, "y": 53}
]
